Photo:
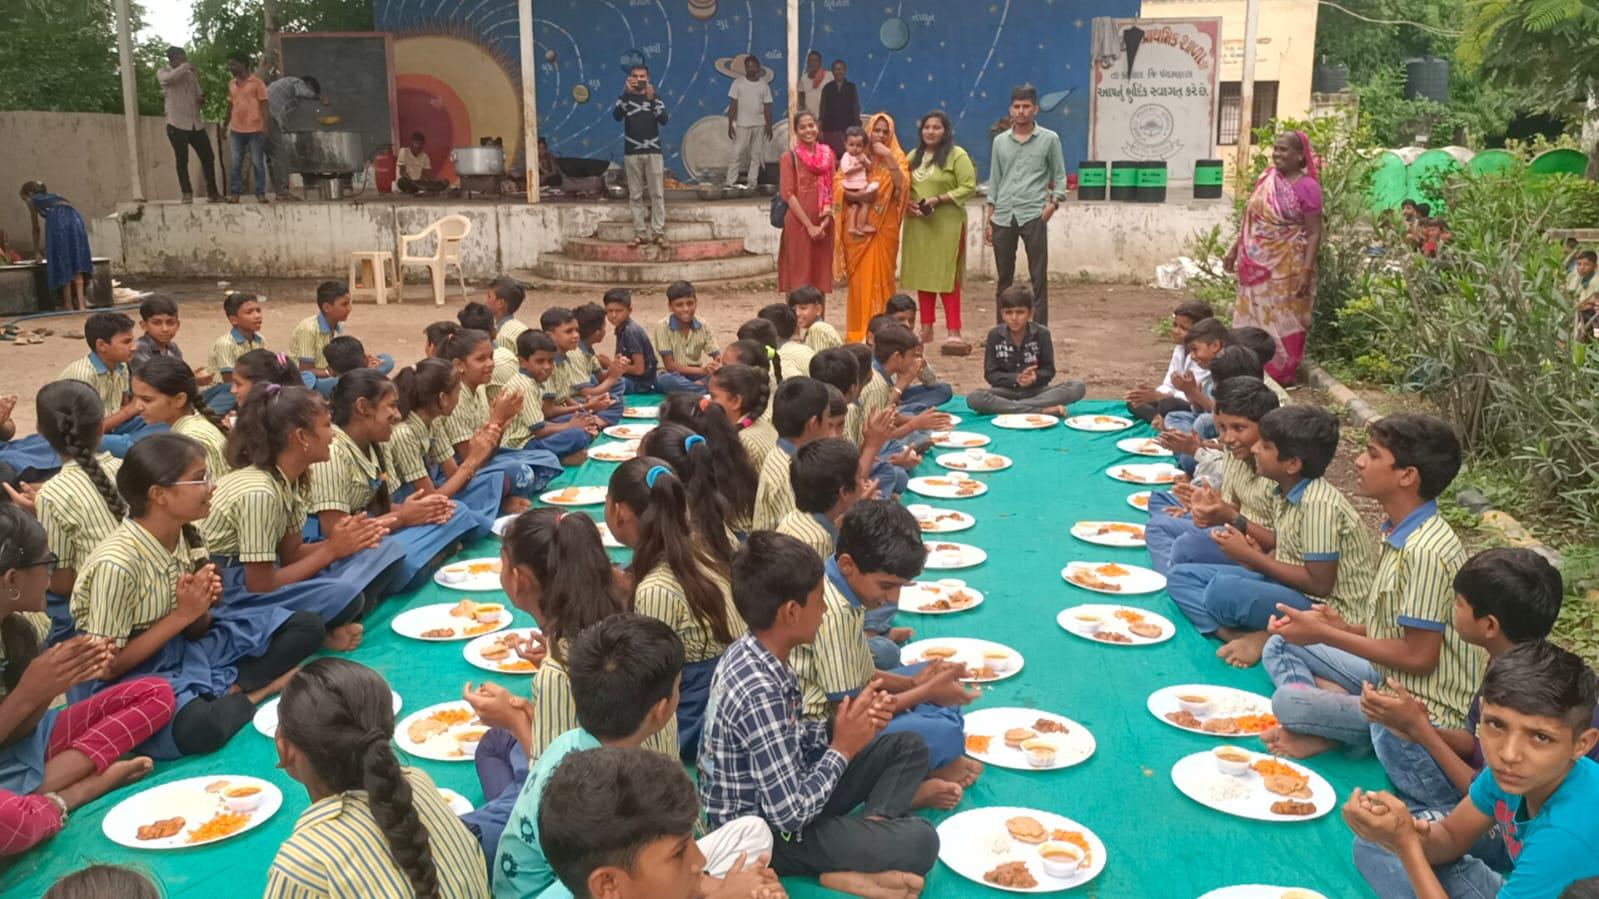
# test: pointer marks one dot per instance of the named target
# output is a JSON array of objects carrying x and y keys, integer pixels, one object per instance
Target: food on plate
[
  {"x": 466, "y": 608},
  {"x": 1145, "y": 629},
  {"x": 1111, "y": 569},
  {"x": 978, "y": 743},
  {"x": 1112, "y": 637},
  {"x": 484, "y": 568},
  {"x": 939, "y": 652},
  {"x": 1040, "y": 753},
  {"x": 1037, "y": 420},
  {"x": 1106, "y": 420},
  {"x": 997, "y": 660},
  {"x": 520, "y": 666},
  {"x": 1231, "y": 761},
  {"x": 939, "y": 482},
  {"x": 1183, "y": 719},
  {"x": 1269, "y": 767},
  {"x": 216, "y": 786},
  {"x": 1049, "y": 726},
  {"x": 470, "y": 734},
  {"x": 969, "y": 489},
  {"x": 424, "y": 729},
  {"x": 454, "y": 574},
  {"x": 159, "y": 830},
  {"x": 1198, "y": 703},
  {"x": 437, "y": 633},
  {"x": 1150, "y": 448},
  {"x": 1294, "y": 787},
  {"x": 1117, "y": 527},
  {"x": 488, "y": 613},
  {"x": 944, "y": 548},
  {"x": 1011, "y": 874},
  {"x": 224, "y": 824},
  {"x": 567, "y": 494},
  {"x": 1132, "y": 616},
  {"x": 1076, "y": 839},
  {"x": 1025, "y": 828},
  {"x": 1061, "y": 859},
  {"x": 1082, "y": 577},
  {"x": 495, "y": 651},
  {"x": 1293, "y": 807},
  {"x": 1141, "y": 500},
  {"x": 994, "y": 462},
  {"x": 983, "y": 673},
  {"x": 483, "y": 628},
  {"x": 937, "y": 605},
  {"x": 1220, "y": 726},
  {"x": 1016, "y": 736},
  {"x": 1254, "y": 724}
]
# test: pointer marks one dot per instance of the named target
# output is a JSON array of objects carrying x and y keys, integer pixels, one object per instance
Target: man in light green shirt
[{"x": 1027, "y": 183}]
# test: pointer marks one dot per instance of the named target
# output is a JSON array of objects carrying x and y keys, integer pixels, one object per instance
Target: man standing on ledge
[
  {"x": 642, "y": 114},
  {"x": 1026, "y": 185},
  {"x": 749, "y": 119},
  {"x": 185, "y": 125}
]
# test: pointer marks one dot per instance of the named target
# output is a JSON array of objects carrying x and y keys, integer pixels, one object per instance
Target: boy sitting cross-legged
[
  {"x": 1146, "y": 402},
  {"x": 578, "y": 385},
  {"x": 928, "y": 391},
  {"x": 880, "y": 550},
  {"x": 810, "y": 305},
  {"x": 825, "y": 477},
  {"x": 529, "y": 429},
  {"x": 1316, "y": 546},
  {"x": 1320, "y": 662},
  {"x": 1538, "y": 790},
  {"x": 625, "y": 672},
  {"x": 243, "y": 311},
  {"x": 760, "y": 756},
  {"x": 632, "y": 342},
  {"x": 799, "y": 412},
  {"x": 688, "y": 349},
  {"x": 1019, "y": 363}
]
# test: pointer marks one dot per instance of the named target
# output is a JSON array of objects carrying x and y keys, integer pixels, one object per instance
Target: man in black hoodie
[{"x": 642, "y": 114}]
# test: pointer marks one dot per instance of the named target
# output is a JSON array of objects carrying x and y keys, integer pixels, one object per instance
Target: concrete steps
[
  {"x": 587, "y": 248},
  {"x": 676, "y": 231},
  {"x": 563, "y": 267}
]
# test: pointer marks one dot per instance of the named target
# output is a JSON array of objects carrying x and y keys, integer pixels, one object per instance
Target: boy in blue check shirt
[
  {"x": 758, "y": 756},
  {"x": 1539, "y": 789},
  {"x": 632, "y": 342}
]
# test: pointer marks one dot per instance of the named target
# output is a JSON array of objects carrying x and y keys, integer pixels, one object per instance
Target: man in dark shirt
[
  {"x": 642, "y": 114},
  {"x": 841, "y": 108},
  {"x": 1019, "y": 363}
]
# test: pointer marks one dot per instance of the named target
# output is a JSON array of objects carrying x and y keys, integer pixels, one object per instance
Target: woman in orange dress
[
  {"x": 805, "y": 182},
  {"x": 870, "y": 262}
]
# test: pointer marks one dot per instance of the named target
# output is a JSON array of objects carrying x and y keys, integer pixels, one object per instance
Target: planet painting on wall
[
  {"x": 733, "y": 67},
  {"x": 549, "y": 57},
  {"x": 702, "y": 9},
  {"x": 894, "y": 34},
  {"x": 580, "y": 93}
]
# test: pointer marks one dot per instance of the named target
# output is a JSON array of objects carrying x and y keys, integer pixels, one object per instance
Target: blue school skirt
[
  {"x": 527, "y": 470},
  {"x": 59, "y": 609},
  {"x": 31, "y": 456},
  {"x": 419, "y": 543},
  {"x": 327, "y": 594},
  {"x": 942, "y": 727},
  {"x": 481, "y": 495},
  {"x": 22, "y": 763},
  {"x": 693, "y": 696},
  {"x": 203, "y": 667}
]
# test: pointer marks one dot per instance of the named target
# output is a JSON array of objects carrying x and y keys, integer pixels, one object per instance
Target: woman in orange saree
[{"x": 869, "y": 263}]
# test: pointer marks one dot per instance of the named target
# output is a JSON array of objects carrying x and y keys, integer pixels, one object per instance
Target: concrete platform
[
  {"x": 592, "y": 250},
  {"x": 561, "y": 267}
]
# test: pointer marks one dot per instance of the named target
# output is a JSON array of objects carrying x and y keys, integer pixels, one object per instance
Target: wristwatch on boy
[{"x": 1242, "y": 524}]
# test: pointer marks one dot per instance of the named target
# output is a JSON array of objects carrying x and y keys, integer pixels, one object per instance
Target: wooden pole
[
  {"x": 130, "y": 98},
  {"x": 530, "y": 102},
  {"x": 1246, "y": 95},
  {"x": 268, "y": 66},
  {"x": 794, "y": 61}
]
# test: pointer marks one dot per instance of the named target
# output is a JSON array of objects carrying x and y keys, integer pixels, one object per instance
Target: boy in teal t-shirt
[
  {"x": 1538, "y": 789},
  {"x": 625, "y": 673}
]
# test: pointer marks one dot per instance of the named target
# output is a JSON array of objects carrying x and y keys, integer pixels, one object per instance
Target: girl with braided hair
[
  {"x": 678, "y": 577},
  {"x": 53, "y": 760},
  {"x": 80, "y": 505},
  {"x": 255, "y": 531},
  {"x": 427, "y": 393},
  {"x": 167, "y": 394},
  {"x": 357, "y": 478},
  {"x": 480, "y": 405},
  {"x": 151, "y": 593},
  {"x": 264, "y": 367},
  {"x": 744, "y": 393},
  {"x": 711, "y": 475},
  {"x": 373, "y": 828}
]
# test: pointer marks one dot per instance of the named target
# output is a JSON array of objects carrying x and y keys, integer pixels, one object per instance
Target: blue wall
[{"x": 906, "y": 57}]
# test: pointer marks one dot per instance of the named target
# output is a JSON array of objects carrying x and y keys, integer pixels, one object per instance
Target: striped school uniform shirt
[
  {"x": 200, "y": 429},
  {"x": 659, "y": 594},
  {"x": 412, "y": 446},
  {"x": 129, "y": 583},
  {"x": 349, "y": 480},
  {"x": 1315, "y": 523},
  {"x": 577, "y": 368},
  {"x": 74, "y": 514},
  {"x": 229, "y": 347},
  {"x": 822, "y": 336},
  {"x": 555, "y": 712},
  {"x": 507, "y": 331},
  {"x": 1283, "y": 399},
  {"x": 531, "y": 413},
  {"x": 759, "y": 439},
  {"x": 40, "y": 623},
  {"x": 838, "y": 663},
  {"x": 689, "y": 345},
  {"x": 796, "y": 358},
  {"x": 876, "y": 395},
  {"x": 774, "y": 493},
  {"x": 471, "y": 412},
  {"x": 251, "y": 512},
  {"x": 1414, "y": 588},
  {"x": 112, "y": 384},
  {"x": 854, "y": 424},
  {"x": 337, "y": 849},
  {"x": 505, "y": 368},
  {"x": 311, "y": 336},
  {"x": 812, "y": 529},
  {"x": 1255, "y": 497}
]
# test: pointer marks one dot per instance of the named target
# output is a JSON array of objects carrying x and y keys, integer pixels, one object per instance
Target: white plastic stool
[{"x": 373, "y": 274}]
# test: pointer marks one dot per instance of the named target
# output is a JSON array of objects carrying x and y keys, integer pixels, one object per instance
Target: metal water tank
[
  {"x": 1427, "y": 78},
  {"x": 1329, "y": 78}
]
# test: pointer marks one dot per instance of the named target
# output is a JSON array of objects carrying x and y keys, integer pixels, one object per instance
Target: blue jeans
[
  {"x": 672, "y": 382},
  {"x": 1163, "y": 531},
  {"x": 638, "y": 383},
  {"x": 1304, "y": 707},
  {"x": 1231, "y": 596},
  {"x": 919, "y": 398},
  {"x": 562, "y": 443},
  {"x": 885, "y": 652},
  {"x": 1468, "y": 878},
  {"x": 1416, "y": 775},
  {"x": 255, "y": 144}
]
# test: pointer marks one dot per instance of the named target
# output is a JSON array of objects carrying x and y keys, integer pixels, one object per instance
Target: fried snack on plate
[
  {"x": 1082, "y": 577},
  {"x": 438, "y": 633},
  {"x": 1220, "y": 726},
  {"x": 466, "y": 608},
  {"x": 1183, "y": 718},
  {"x": 1026, "y": 828},
  {"x": 1011, "y": 874},
  {"x": 160, "y": 830},
  {"x": 938, "y": 605},
  {"x": 1018, "y": 735},
  {"x": 1294, "y": 787},
  {"x": 1293, "y": 807},
  {"x": 1111, "y": 637},
  {"x": 1145, "y": 629},
  {"x": 495, "y": 652},
  {"x": 1049, "y": 726}
]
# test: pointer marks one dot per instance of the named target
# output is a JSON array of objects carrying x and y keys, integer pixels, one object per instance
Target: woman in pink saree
[{"x": 1275, "y": 256}]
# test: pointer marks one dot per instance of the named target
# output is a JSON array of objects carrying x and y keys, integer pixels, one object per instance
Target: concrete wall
[
  {"x": 83, "y": 157},
  {"x": 314, "y": 240}
]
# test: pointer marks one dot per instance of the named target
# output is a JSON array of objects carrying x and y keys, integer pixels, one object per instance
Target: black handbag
[{"x": 780, "y": 205}]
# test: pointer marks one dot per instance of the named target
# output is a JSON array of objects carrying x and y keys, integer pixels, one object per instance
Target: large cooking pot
[
  {"x": 330, "y": 152},
  {"x": 478, "y": 160}
]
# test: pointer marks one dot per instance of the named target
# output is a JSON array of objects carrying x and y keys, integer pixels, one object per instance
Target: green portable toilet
[
  {"x": 1562, "y": 160},
  {"x": 1389, "y": 184},
  {"x": 1491, "y": 161},
  {"x": 1430, "y": 166}
]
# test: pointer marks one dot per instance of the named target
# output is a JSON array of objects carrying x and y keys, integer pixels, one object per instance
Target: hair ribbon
[
  {"x": 705, "y": 403},
  {"x": 654, "y": 473},
  {"x": 692, "y": 441},
  {"x": 771, "y": 353}
]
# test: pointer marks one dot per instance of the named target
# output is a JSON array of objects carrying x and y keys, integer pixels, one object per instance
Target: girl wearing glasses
[
  {"x": 152, "y": 592},
  {"x": 167, "y": 394}
]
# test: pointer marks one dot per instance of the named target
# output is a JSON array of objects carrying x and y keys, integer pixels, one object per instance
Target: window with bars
[{"x": 1229, "y": 109}]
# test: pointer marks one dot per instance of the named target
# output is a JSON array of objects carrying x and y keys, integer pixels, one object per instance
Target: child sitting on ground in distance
[
  {"x": 243, "y": 311},
  {"x": 632, "y": 343},
  {"x": 809, "y": 305},
  {"x": 505, "y": 296},
  {"x": 529, "y": 428},
  {"x": 344, "y": 355},
  {"x": 1019, "y": 363},
  {"x": 1146, "y": 402},
  {"x": 689, "y": 350},
  {"x": 1538, "y": 791},
  {"x": 825, "y": 476},
  {"x": 110, "y": 339},
  {"x": 1316, "y": 547},
  {"x": 158, "y": 315},
  {"x": 929, "y": 391},
  {"x": 576, "y": 387},
  {"x": 310, "y": 337}
]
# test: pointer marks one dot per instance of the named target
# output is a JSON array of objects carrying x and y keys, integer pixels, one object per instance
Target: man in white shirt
[
  {"x": 415, "y": 168},
  {"x": 749, "y": 122},
  {"x": 180, "y": 88}
]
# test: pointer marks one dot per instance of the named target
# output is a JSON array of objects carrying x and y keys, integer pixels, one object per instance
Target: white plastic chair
[{"x": 449, "y": 231}]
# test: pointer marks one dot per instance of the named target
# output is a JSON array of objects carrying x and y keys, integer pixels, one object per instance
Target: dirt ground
[{"x": 1105, "y": 334}]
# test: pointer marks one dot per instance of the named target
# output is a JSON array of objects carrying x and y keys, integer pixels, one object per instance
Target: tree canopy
[{"x": 1546, "y": 50}]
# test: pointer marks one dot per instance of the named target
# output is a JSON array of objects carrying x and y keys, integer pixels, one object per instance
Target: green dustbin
[
  {"x": 1152, "y": 181},
  {"x": 1208, "y": 177},
  {"x": 1124, "y": 180},
  {"x": 1091, "y": 180}
]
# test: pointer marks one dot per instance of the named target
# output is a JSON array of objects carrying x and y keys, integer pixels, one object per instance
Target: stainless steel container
[
  {"x": 478, "y": 160},
  {"x": 326, "y": 152},
  {"x": 330, "y": 188}
]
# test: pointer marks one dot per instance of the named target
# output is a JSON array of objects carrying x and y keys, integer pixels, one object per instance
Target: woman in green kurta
[{"x": 933, "y": 250}]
